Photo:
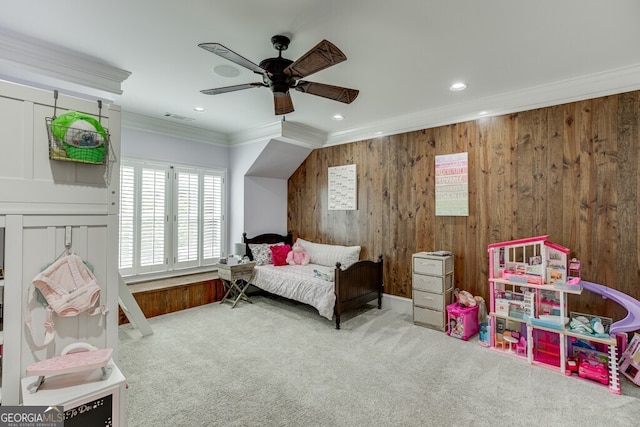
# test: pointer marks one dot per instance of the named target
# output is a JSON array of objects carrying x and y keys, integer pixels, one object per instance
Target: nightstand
[{"x": 236, "y": 279}]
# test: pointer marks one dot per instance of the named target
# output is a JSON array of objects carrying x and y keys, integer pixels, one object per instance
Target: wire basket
[{"x": 79, "y": 145}]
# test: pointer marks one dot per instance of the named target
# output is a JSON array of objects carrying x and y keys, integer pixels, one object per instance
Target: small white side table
[{"x": 511, "y": 340}]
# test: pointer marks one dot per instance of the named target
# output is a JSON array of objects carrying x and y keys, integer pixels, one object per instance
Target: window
[{"x": 171, "y": 217}]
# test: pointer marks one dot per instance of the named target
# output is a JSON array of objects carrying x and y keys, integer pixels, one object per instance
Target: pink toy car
[
  {"x": 572, "y": 366},
  {"x": 594, "y": 371}
]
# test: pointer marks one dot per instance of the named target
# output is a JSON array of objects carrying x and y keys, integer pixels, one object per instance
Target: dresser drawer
[
  {"x": 429, "y": 317},
  {"x": 432, "y": 264},
  {"x": 428, "y": 300},
  {"x": 438, "y": 284}
]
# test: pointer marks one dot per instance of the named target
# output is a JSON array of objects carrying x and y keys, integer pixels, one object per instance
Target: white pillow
[{"x": 328, "y": 255}]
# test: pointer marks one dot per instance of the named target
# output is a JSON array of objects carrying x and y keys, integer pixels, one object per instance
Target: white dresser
[{"x": 432, "y": 284}]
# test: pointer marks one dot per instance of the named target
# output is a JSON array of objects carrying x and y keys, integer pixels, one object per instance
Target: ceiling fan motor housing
[{"x": 276, "y": 79}]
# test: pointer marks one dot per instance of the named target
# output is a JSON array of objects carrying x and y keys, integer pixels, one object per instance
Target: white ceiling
[{"x": 402, "y": 55}]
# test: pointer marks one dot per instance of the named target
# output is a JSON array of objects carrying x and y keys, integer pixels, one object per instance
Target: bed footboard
[{"x": 357, "y": 285}]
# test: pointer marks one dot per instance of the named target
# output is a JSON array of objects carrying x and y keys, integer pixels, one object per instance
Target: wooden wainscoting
[{"x": 168, "y": 295}]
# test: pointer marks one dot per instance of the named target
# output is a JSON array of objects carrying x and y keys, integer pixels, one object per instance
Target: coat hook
[{"x": 67, "y": 238}]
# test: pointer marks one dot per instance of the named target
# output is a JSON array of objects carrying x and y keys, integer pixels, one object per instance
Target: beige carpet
[{"x": 278, "y": 363}]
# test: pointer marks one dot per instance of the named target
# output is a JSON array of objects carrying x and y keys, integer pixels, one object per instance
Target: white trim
[
  {"x": 166, "y": 127},
  {"x": 570, "y": 90},
  {"x": 397, "y": 304},
  {"x": 37, "y": 63}
]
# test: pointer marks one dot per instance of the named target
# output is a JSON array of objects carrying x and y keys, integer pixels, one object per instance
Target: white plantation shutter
[
  {"x": 187, "y": 218},
  {"x": 211, "y": 217},
  {"x": 152, "y": 217},
  {"x": 127, "y": 218},
  {"x": 192, "y": 198}
]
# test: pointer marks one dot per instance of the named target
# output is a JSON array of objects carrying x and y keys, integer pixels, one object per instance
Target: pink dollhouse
[{"x": 530, "y": 280}]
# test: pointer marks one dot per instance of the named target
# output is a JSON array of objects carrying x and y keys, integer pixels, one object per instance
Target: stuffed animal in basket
[{"x": 297, "y": 255}]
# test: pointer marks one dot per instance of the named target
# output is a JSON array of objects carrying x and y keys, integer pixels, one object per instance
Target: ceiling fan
[{"x": 281, "y": 74}]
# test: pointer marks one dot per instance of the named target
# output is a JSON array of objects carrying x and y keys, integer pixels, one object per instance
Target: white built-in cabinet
[{"x": 41, "y": 201}]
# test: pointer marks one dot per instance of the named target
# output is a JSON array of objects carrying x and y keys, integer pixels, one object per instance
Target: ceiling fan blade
[
  {"x": 283, "y": 104},
  {"x": 323, "y": 55},
  {"x": 219, "y": 90},
  {"x": 222, "y": 51},
  {"x": 337, "y": 93}
]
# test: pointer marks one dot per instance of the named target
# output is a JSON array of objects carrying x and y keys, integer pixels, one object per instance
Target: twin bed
[{"x": 349, "y": 284}]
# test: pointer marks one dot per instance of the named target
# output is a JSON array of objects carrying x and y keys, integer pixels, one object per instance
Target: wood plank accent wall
[
  {"x": 569, "y": 171},
  {"x": 154, "y": 302}
]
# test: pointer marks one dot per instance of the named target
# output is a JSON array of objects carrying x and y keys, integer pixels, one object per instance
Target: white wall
[
  {"x": 155, "y": 146},
  {"x": 255, "y": 204},
  {"x": 265, "y": 203},
  {"x": 242, "y": 209}
]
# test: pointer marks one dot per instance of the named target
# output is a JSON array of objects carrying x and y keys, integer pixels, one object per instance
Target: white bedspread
[{"x": 297, "y": 282}]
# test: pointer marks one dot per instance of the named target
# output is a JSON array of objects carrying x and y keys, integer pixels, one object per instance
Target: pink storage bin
[{"x": 462, "y": 322}]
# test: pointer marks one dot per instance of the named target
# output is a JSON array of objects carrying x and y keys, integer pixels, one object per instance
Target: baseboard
[{"x": 397, "y": 304}]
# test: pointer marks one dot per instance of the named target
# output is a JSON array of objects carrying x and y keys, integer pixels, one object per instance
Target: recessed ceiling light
[
  {"x": 458, "y": 86},
  {"x": 338, "y": 117},
  {"x": 226, "y": 71},
  {"x": 483, "y": 113},
  {"x": 199, "y": 109}
]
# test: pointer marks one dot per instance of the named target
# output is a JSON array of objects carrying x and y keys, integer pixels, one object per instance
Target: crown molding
[
  {"x": 179, "y": 130},
  {"x": 261, "y": 133},
  {"x": 290, "y": 132},
  {"x": 26, "y": 60},
  {"x": 570, "y": 90}
]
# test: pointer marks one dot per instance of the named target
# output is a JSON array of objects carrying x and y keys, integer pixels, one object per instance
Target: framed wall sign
[
  {"x": 343, "y": 188},
  {"x": 452, "y": 185}
]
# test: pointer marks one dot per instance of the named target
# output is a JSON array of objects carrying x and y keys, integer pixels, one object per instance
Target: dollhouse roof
[{"x": 543, "y": 240}]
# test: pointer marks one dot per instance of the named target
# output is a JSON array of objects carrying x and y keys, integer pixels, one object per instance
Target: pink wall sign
[{"x": 452, "y": 185}]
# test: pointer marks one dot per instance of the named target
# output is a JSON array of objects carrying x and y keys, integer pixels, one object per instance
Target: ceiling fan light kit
[{"x": 281, "y": 74}]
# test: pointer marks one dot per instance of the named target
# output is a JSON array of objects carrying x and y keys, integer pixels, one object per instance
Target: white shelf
[{"x": 546, "y": 287}]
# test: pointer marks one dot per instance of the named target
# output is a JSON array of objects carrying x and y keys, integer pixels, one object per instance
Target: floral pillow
[
  {"x": 279, "y": 254},
  {"x": 262, "y": 253}
]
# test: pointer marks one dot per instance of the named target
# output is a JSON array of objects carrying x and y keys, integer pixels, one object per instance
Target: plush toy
[
  {"x": 297, "y": 255},
  {"x": 82, "y": 136},
  {"x": 464, "y": 298}
]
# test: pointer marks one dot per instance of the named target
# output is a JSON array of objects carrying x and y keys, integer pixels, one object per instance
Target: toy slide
[{"x": 632, "y": 321}]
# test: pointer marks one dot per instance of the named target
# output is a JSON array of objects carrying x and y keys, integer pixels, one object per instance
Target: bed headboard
[{"x": 265, "y": 238}]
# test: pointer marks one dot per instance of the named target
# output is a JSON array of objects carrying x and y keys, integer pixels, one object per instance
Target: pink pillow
[{"x": 279, "y": 254}]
